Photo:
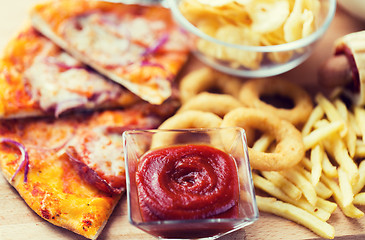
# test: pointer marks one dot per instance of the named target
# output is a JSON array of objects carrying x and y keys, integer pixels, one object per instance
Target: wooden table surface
[{"x": 18, "y": 222}]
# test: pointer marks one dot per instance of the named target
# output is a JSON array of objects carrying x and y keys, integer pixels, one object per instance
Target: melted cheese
[
  {"x": 101, "y": 152},
  {"x": 61, "y": 79},
  {"x": 112, "y": 41},
  {"x": 106, "y": 152}
]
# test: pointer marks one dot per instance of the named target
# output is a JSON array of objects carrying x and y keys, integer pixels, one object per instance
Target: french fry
[
  {"x": 341, "y": 108},
  {"x": 349, "y": 210},
  {"x": 276, "y": 192},
  {"x": 353, "y": 124},
  {"x": 263, "y": 143},
  {"x": 321, "y": 189},
  {"x": 328, "y": 168},
  {"x": 336, "y": 147},
  {"x": 326, "y": 205},
  {"x": 306, "y": 163},
  {"x": 281, "y": 182},
  {"x": 350, "y": 137},
  {"x": 361, "y": 182},
  {"x": 298, "y": 215},
  {"x": 360, "y": 149},
  {"x": 319, "y": 134},
  {"x": 345, "y": 187},
  {"x": 359, "y": 199},
  {"x": 316, "y": 157},
  {"x": 360, "y": 119},
  {"x": 316, "y": 115},
  {"x": 331, "y": 112},
  {"x": 302, "y": 183}
]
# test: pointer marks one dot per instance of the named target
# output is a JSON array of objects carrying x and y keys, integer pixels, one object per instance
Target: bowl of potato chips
[{"x": 253, "y": 38}]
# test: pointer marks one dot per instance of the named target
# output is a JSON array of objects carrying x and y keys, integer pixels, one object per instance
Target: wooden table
[{"x": 18, "y": 222}]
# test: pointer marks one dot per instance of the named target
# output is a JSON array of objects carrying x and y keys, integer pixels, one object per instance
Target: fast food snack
[
  {"x": 347, "y": 67},
  {"x": 295, "y": 214},
  {"x": 250, "y": 23},
  {"x": 183, "y": 120},
  {"x": 192, "y": 119},
  {"x": 139, "y": 47},
  {"x": 206, "y": 79},
  {"x": 289, "y": 148},
  {"x": 37, "y": 78},
  {"x": 70, "y": 170},
  {"x": 254, "y": 91},
  {"x": 333, "y": 171},
  {"x": 219, "y": 104}
]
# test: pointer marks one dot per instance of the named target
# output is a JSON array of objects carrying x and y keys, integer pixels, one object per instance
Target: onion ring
[
  {"x": 289, "y": 148},
  {"x": 252, "y": 90},
  {"x": 184, "y": 120},
  {"x": 192, "y": 119},
  {"x": 219, "y": 104},
  {"x": 205, "y": 79}
]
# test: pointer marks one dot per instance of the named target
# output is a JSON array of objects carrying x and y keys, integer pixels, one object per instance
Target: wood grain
[{"x": 18, "y": 222}]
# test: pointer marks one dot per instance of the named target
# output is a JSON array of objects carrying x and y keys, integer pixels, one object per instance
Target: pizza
[
  {"x": 38, "y": 78},
  {"x": 71, "y": 83},
  {"x": 70, "y": 170},
  {"x": 139, "y": 47}
]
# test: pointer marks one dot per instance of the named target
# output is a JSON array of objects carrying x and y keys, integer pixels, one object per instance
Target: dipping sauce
[{"x": 187, "y": 182}]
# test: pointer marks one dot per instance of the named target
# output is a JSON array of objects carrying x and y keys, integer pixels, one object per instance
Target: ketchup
[{"x": 187, "y": 182}]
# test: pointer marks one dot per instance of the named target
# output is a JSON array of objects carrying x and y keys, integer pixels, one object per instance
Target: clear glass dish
[
  {"x": 229, "y": 140},
  {"x": 294, "y": 52}
]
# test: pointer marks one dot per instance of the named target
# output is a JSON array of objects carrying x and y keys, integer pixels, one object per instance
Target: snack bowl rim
[
  {"x": 238, "y": 222},
  {"x": 308, "y": 40}
]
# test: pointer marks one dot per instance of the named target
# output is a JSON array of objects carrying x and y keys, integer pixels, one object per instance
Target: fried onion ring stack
[
  {"x": 252, "y": 91},
  {"x": 212, "y": 99},
  {"x": 208, "y": 80},
  {"x": 289, "y": 148}
]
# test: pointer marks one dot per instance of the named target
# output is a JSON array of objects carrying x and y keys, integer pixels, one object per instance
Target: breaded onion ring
[
  {"x": 205, "y": 80},
  {"x": 252, "y": 91},
  {"x": 289, "y": 148},
  {"x": 184, "y": 120},
  {"x": 219, "y": 104},
  {"x": 192, "y": 119}
]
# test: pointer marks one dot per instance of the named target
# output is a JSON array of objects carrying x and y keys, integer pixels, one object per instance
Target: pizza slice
[
  {"x": 70, "y": 170},
  {"x": 39, "y": 78},
  {"x": 139, "y": 47}
]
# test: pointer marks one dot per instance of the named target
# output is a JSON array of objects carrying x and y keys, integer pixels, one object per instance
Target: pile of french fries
[{"x": 331, "y": 175}]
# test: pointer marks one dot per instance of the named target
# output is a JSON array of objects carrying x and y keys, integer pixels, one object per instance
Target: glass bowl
[
  {"x": 231, "y": 141},
  {"x": 254, "y": 61}
]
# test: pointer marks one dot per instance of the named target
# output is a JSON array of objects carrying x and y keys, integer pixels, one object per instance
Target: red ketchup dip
[{"x": 187, "y": 182}]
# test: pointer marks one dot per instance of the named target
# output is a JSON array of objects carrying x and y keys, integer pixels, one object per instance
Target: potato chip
[
  {"x": 215, "y": 3},
  {"x": 268, "y": 15},
  {"x": 235, "y": 35},
  {"x": 259, "y": 23},
  {"x": 308, "y": 23},
  {"x": 293, "y": 26},
  {"x": 313, "y": 6}
]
